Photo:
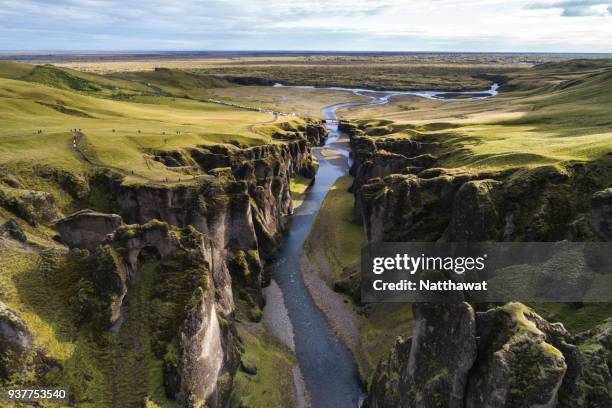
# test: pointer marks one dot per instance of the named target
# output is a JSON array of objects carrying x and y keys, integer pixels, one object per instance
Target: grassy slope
[
  {"x": 272, "y": 385},
  {"x": 299, "y": 184},
  {"x": 381, "y": 71},
  {"x": 120, "y": 368},
  {"x": 26, "y": 107},
  {"x": 96, "y": 370},
  {"x": 334, "y": 231},
  {"x": 551, "y": 113}
]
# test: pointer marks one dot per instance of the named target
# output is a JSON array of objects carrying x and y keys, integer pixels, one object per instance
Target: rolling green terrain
[
  {"x": 58, "y": 129},
  {"x": 410, "y": 72},
  {"x": 555, "y": 112},
  {"x": 122, "y": 123}
]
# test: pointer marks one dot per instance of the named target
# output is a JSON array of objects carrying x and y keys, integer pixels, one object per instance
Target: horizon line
[{"x": 305, "y": 51}]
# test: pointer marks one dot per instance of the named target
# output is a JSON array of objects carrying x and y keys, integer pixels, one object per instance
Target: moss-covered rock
[
  {"x": 431, "y": 369},
  {"x": 32, "y": 206},
  {"x": 517, "y": 365},
  {"x": 12, "y": 229},
  {"x": 86, "y": 229},
  {"x": 601, "y": 213},
  {"x": 474, "y": 215},
  {"x": 15, "y": 344}
]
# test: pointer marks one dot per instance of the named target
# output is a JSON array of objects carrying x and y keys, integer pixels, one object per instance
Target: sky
[{"x": 296, "y": 25}]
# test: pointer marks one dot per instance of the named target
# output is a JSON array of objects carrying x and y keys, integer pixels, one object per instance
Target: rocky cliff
[
  {"x": 172, "y": 256},
  {"x": 198, "y": 327},
  {"x": 507, "y": 356},
  {"x": 404, "y": 192},
  {"x": 208, "y": 240}
]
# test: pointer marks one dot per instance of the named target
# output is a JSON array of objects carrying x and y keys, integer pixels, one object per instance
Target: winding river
[{"x": 328, "y": 367}]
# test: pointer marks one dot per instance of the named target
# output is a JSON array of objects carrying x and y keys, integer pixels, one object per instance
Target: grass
[
  {"x": 117, "y": 133},
  {"x": 575, "y": 317},
  {"x": 334, "y": 232},
  {"x": 272, "y": 385},
  {"x": 36, "y": 286},
  {"x": 384, "y": 323},
  {"x": 298, "y": 185},
  {"x": 454, "y": 72},
  {"x": 549, "y": 114}
]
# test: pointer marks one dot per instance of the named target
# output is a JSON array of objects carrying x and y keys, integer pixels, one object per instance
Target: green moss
[
  {"x": 298, "y": 186},
  {"x": 575, "y": 317},
  {"x": 334, "y": 232},
  {"x": 519, "y": 312},
  {"x": 272, "y": 384}
]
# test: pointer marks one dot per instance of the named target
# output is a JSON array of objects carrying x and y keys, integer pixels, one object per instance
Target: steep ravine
[
  {"x": 461, "y": 355},
  {"x": 329, "y": 370},
  {"x": 209, "y": 242}
]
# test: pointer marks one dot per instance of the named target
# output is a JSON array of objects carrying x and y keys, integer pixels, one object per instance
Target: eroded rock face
[
  {"x": 431, "y": 369},
  {"x": 517, "y": 359},
  {"x": 15, "y": 343},
  {"x": 209, "y": 355},
  {"x": 474, "y": 213},
  {"x": 192, "y": 231},
  {"x": 588, "y": 381},
  {"x": 387, "y": 389},
  {"x": 547, "y": 203},
  {"x": 521, "y": 359},
  {"x": 110, "y": 277},
  {"x": 13, "y": 230},
  {"x": 601, "y": 214},
  {"x": 87, "y": 229},
  {"x": 33, "y": 206},
  {"x": 316, "y": 134},
  {"x": 380, "y": 157},
  {"x": 406, "y": 207},
  {"x": 517, "y": 365},
  {"x": 243, "y": 210},
  {"x": 201, "y": 370}
]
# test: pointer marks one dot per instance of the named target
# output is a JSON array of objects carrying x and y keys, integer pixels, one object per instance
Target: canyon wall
[
  {"x": 506, "y": 356},
  {"x": 207, "y": 241}
]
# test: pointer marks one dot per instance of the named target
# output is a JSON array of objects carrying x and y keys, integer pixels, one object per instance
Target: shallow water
[{"x": 327, "y": 365}]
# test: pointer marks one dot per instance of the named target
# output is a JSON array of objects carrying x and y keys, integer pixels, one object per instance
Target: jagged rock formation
[
  {"x": 402, "y": 196},
  {"x": 601, "y": 213},
  {"x": 13, "y": 230},
  {"x": 521, "y": 360},
  {"x": 87, "y": 229},
  {"x": 15, "y": 343},
  {"x": 34, "y": 207},
  {"x": 510, "y": 357},
  {"x": 425, "y": 373},
  {"x": 228, "y": 223},
  {"x": 243, "y": 209},
  {"x": 206, "y": 358}
]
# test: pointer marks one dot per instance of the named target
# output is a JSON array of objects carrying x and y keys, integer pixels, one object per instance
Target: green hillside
[{"x": 39, "y": 111}]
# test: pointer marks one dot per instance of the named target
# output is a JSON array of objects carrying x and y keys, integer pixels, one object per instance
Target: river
[{"x": 328, "y": 367}]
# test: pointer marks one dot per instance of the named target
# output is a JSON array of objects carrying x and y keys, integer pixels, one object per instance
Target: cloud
[
  {"x": 576, "y": 8},
  {"x": 437, "y": 25}
]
